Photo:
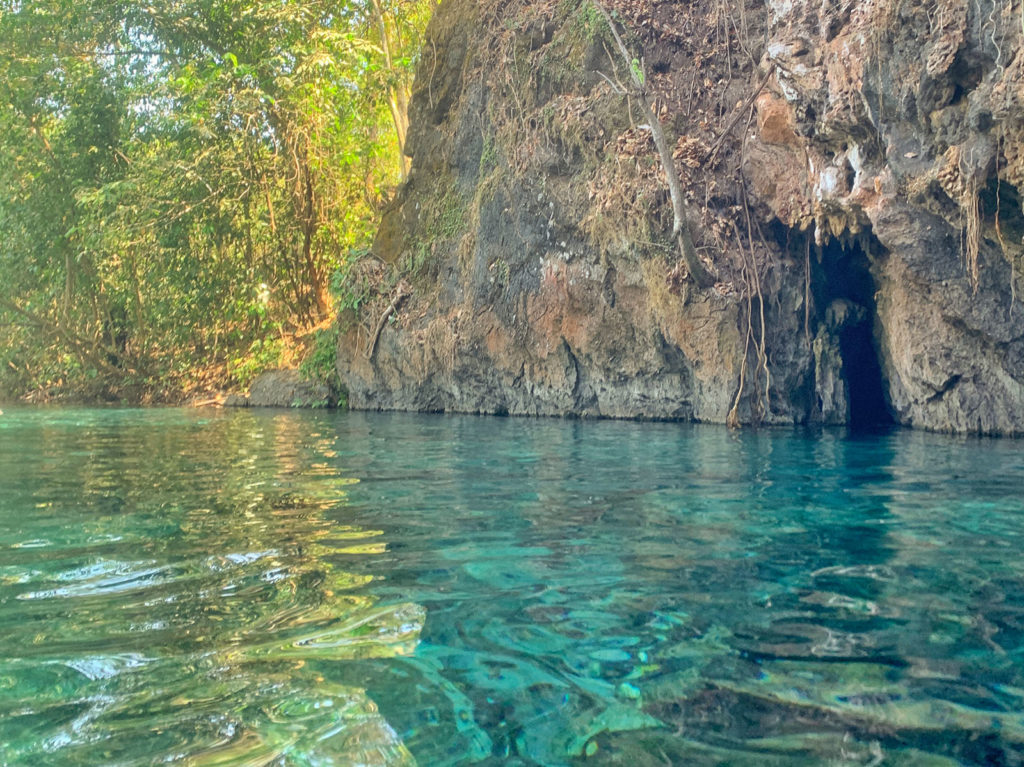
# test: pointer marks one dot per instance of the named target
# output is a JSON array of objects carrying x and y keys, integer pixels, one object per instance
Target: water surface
[{"x": 302, "y": 588}]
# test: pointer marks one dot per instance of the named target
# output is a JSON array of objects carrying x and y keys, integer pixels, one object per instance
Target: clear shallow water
[{"x": 299, "y": 588}]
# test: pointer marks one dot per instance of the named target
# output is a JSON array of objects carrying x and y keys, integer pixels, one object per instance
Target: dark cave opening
[
  {"x": 843, "y": 290},
  {"x": 869, "y": 405}
]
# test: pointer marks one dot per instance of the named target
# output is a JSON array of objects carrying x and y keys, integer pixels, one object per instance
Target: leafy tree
[{"x": 180, "y": 179}]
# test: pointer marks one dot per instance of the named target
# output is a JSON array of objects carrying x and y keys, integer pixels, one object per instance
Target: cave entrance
[{"x": 844, "y": 297}]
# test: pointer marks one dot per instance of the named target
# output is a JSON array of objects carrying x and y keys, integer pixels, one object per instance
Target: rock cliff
[{"x": 852, "y": 174}]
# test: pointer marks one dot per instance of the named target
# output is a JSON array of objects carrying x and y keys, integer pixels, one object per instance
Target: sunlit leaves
[{"x": 159, "y": 161}]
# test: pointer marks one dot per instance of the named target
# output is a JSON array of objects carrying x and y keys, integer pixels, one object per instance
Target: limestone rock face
[
  {"x": 852, "y": 173},
  {"x": 913, "y": 122}
]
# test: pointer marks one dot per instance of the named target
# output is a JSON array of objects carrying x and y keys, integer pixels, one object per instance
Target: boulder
[{"x": 286, "y": 388}]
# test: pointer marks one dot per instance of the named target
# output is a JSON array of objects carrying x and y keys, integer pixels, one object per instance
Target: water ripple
[
  {"x": 180, "y": 587},
  {"x": 184, "y": 608}
]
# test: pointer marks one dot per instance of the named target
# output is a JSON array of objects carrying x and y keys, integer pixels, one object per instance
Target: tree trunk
[{"x": 398, "y": 93}]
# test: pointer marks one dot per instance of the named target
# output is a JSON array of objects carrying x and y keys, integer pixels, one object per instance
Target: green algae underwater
[{"x": 316, "y": 588}]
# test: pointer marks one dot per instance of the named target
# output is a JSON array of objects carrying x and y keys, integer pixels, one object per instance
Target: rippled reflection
[
  {"x": 220, "y": 589},
  {"x": 166, "y": 594}
]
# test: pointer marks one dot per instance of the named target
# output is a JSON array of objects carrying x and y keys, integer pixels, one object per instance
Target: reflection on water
[
  {"x": 317, "y": 589},
  {"x": 166, "y": 595}
]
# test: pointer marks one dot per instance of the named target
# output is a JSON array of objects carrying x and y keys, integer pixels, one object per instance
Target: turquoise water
[{"x": 302, "y": 588}]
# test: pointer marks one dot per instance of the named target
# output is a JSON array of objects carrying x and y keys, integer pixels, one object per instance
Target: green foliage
[
  {"x": 263, "y": 354},
  {"x": 442, "y": 223},
  {"x": 585, "y": 20},
  {"x": 450, "y": 216},
  {"x": 637, "y": 71},
  {"x": 489, "y": 154},
  {"x": 349, "y": 287},
  {"x": 321, "y": 361},
  {"x": 179, "y": 182},
  {"x": 417, "y": 258}
]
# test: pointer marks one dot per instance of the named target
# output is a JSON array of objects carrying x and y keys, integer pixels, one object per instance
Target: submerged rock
[{"x": 867, "y": 157}]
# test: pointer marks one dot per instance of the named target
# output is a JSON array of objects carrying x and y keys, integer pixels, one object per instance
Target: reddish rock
[{"x": 535, "y": 229}]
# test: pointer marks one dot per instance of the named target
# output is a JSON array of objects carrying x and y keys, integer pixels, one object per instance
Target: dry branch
[
  {"x": 87, "y": 349},
  {"x": 680, "y": 228},
  {"x": 400, "y": 296},
  {"x": 739, "y": 113}
]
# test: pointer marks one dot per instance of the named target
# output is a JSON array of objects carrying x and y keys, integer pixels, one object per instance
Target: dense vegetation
[{"x": 182, "y": 182}]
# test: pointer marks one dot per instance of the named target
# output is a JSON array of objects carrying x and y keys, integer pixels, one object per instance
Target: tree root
[{"x": 401, "y": 294}]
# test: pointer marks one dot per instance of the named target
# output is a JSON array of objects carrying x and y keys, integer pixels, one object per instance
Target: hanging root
[
  {"x": 998, "y": 225},
  {"x": 733, "y": 419},
  {"x": 761, "y": 401},
  {"x": 807, "y": 293},
  {"x": 961, "y": 184},
  {"x": 681, "y": 227},
  {"x": 971, "y": 206},
  {"x": 762, "y": 349}
]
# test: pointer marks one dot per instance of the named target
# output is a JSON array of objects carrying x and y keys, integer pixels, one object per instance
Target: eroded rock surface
[
  {"x": 283, "y": 388},
  {"x": 913, "y": 130},
  {"x": 852, "y": 172}
]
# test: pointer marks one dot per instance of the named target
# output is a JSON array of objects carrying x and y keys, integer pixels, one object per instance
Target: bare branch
[
  {"x": 391, "y": 308},
  {"x": 740, "y": 112},
  {"x": 680, "y": 227}
]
